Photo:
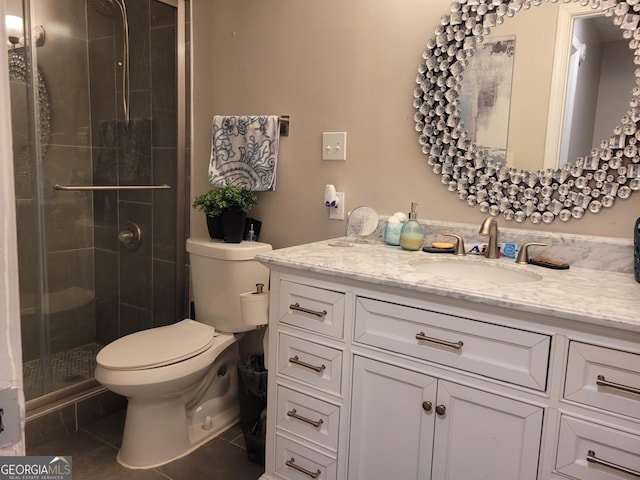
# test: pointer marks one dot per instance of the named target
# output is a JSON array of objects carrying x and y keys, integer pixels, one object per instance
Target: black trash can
[{"x": 252, "y": 381}]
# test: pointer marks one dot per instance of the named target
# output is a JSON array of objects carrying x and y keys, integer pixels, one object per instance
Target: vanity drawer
[
  {"x": 504, "y": 353},
  {"x": 312, "y": 308},
  {"x": 604, "y": 378},
  {"x": 309, "y": 362},
  {"x": 297, "y": 462},
  {"x": 308, "y": 417},
  {"x": 588, "y": 451}
]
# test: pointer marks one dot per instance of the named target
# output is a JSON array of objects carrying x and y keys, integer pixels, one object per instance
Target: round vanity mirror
[
  {"x": 363, "y": 221},
  {"x": 459, "y": 105},
  {"x": 361, "y": 224}
]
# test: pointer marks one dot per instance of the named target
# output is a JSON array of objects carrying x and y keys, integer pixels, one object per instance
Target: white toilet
[{"x": 181, "y": 380}]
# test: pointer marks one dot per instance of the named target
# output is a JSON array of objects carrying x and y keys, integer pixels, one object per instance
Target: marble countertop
[{"x": 581, "y": 294}]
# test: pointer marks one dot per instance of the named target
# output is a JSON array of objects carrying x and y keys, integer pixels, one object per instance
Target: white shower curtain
[{"x": 10, "y": 346}]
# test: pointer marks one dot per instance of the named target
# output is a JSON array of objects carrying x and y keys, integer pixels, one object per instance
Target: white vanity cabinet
[
  {"x": 375, "y": 380},
  {"x": 410, "y": 425},
  {"x": 364, "y": 386}
]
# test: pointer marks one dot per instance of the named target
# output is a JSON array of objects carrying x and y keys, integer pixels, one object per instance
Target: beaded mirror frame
[{"x": 591, "y": 183}]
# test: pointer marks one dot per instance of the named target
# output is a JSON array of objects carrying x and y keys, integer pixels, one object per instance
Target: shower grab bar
[{"x": 111, "y": 187}]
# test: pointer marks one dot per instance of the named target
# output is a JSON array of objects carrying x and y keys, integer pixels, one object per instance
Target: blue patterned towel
[{"x": 244, "y": 151}]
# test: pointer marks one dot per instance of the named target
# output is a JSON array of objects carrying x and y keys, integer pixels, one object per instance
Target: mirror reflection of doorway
[
  {"x": 577, "y": 56},
  {"x": 598, "y": 86}
]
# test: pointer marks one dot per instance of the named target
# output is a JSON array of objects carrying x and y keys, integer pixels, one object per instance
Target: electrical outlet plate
[
  {"x": 337, "y": 213},
  {"x": 334, "y": 146}
]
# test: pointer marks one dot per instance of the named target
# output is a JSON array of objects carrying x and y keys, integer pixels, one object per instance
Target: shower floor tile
[
  {"x": 94, "y": 448},
  {"x": 68, "y": 367}
]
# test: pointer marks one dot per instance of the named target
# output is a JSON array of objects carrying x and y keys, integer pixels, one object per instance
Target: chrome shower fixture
[{"x": 110, "y": 8}]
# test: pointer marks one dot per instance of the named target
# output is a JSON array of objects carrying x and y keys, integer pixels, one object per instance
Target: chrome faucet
[{"x": 490, "y": 227}]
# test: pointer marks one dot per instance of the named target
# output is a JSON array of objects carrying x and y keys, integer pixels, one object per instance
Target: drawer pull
[
  {"x": 315, "y": 313},
  {"x": 292, "y": 463},
  {"x": 307, "y": 365},
  {"x": 444, "y": 343},
  {"x": 294, "y": 414},
  {"x": 591, "y": 458},
  {"x": 427, "y": 406},
  {"x": 603, "y": 382}
]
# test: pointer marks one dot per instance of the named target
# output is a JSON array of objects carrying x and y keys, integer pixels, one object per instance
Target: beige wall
[{"x": 333, "y": 65}]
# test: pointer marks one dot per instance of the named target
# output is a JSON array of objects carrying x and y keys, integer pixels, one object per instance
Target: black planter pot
[
  {"x": 233, "y": 222},
  {"x": 215, "y": 227}
]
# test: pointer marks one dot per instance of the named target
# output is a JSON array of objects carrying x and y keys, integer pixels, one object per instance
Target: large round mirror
[{"x": 539, "y": 148}]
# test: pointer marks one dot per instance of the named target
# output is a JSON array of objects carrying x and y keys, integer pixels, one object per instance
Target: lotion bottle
[{"x": 412, "y": 233}]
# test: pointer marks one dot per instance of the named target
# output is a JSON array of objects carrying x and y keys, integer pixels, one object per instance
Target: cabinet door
[
  {"x": 391, "y": 422},
  {"x": 482, "y": 435}
]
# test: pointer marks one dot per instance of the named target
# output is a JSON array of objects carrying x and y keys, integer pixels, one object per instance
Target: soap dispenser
[{"x": 412, "y": 233}]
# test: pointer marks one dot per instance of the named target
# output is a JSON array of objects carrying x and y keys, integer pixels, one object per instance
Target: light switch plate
[{"x": 334, "y": 146}]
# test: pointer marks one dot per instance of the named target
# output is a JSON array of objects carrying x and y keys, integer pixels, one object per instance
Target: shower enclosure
[{"x": 98, "y": 99}]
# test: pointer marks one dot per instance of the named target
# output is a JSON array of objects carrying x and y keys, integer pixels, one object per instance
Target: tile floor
[
  {"x": 94, "y": 448},
  {"x": 67, "y": 367}
]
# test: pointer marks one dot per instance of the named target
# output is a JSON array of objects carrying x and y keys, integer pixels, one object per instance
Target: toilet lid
[{"x": 157, "y": 347}]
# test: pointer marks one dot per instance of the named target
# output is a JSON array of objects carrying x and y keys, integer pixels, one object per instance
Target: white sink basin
[{"x": 463, "y": 269}]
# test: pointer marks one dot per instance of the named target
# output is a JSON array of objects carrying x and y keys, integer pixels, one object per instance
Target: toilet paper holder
[{"x": 254, "y": 307}]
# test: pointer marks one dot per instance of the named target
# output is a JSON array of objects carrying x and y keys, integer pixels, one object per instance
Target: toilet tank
[{"x": 220, "y": 272}]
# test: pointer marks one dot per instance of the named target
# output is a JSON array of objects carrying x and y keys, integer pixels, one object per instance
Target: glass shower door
[
  {"x": 80, "y": 286},
  {"x": 30, "y": 117}
]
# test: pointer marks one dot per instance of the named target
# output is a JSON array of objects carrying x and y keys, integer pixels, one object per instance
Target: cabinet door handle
[
  {"x": 296, "y": 415},
  {"x": 591, "y": 458},
  {"x": 315, "y": 313},
  {"x": 444, "y": 343},
  {"x": 292, "y": 464},
  {"x": 441, "y": 410},
  {"x": 427, "y": 406},
  {"x": 603, "y": 382},
  {"x": 307, "y": 365}
]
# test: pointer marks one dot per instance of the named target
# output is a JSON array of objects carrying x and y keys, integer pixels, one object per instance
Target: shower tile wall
[{"x": 134, "y": 289}]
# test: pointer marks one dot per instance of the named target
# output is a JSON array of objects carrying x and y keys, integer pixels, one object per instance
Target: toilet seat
[{"x": 157, "y": 347}]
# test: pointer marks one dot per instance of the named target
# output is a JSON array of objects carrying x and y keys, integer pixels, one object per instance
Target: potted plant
[
  {"x": 226, "y": 211},
  {"x": 210, "y": 204}
]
